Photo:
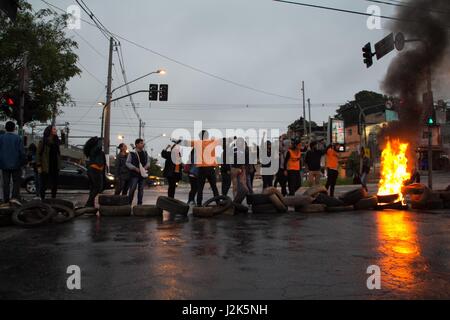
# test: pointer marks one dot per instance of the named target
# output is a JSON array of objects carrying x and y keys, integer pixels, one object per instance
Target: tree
[
  {"x": 297, "y": 125},
  {"x": 349, "y": 112},
  {"x": 155, "y": 169},
  {"x": 51, "y": 60}
]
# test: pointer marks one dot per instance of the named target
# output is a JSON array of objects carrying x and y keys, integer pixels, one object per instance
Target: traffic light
[
  {"x": 8, "y": 104},
  {"x": 153, "y": 94},
  {"x": 431, "y": 120},
  {"x": 367, "y": 55},
  {"x": 163, "y": 92}
]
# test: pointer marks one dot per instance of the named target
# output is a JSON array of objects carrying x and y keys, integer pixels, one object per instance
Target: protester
[
  {"x": 365, "y": 168},
  {"x": 48, "y": 161},
  {"x": 205, "y": 160},
  {"x": 32, "y": 162},
  {"x": 138, "y": 162},
  {"x": 312, "y": 163},
  {"x": 122, "y": 172},
  {"x": 293, "y": 166},
  {"x": 225, "y": 169},
  {"x": 332, "y": 159},
  {"x": 172, "y": 170},
  {"x": 280, "y": 176},
  {"x": 96, "y": 164},
  {"x": 238, "y": 169},
  {"x": 12, "y": 158}
]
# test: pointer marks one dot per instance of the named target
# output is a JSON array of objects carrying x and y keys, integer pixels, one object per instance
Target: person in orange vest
[
  {"x": 292, "y": 165},
  {"x": 332, "y": 158}
]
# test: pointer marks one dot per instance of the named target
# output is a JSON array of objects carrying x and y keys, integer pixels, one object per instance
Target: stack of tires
[
  {"x": 36, "y": 213},
  {"x": 173, "y": 206},
  {"x": 359, "y": 199},
  {"x": 114, "y": 206},
  {"x": 270, "y": 201}
]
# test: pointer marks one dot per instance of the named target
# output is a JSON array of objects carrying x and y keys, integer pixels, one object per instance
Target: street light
[
  {"x": 107, "y": 104},
  {"x": 120, "y": 137}
]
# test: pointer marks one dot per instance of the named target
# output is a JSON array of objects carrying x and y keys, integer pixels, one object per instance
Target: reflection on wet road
[{"x": 290, "y": 256}]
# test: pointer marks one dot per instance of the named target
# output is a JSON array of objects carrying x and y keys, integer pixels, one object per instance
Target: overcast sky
[{"x": 266, "y": 45}]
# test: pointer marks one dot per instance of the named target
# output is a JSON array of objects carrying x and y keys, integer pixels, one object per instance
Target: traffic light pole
[
  {"x": 304, "y": 108},
  {"x": 430, "y": 131},
  {"x": 107, "y": 108}
]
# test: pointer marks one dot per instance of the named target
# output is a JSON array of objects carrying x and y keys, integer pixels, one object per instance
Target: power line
[
  {"x": 181, "y": 63},
  {"x": 88, "y": 72},
  {"x": 406, "y": 5}
]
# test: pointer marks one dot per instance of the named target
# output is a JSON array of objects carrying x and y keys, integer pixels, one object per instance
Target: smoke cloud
[{"x": 429, "y": 22}]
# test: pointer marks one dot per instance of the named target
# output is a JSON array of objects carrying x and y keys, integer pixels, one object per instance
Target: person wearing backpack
[
  {"x": 172, "y": 167},
  {"x": 138, "y": 163}
]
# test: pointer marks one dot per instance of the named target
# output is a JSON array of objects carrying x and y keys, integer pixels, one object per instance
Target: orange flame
[{"x": 394, "y": 168}]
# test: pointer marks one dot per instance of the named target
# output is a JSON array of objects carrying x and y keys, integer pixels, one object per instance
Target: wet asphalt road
[{"x": 289, "y": 256}]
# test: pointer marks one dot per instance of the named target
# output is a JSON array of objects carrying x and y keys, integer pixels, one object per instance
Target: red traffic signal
[{"x": 10, "y": 102}]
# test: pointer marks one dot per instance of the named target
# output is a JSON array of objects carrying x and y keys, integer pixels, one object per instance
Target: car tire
[
  {"x": 339, "y": 209},
  {"x": 352, "y": 197},
  {"x": 277, "y": 203},
  {"x": 258, "y": 199},
  {"x": 224, "y": 203},
  {"x": 325, "y": 199},
  {"x": 63, "y": 213},
  {"x": 85, "y": 210},
  {"x": 173, "y": 206},
  {"x": 113, "y": 200},
  {"x": 298, "y": 200},
  {"x": 37, "y": 211},
  {"x": 147, "y": 211},
  {"x": 312, "y": 208},
  {"x": 239, "y": 208},
  {"x": 367, "y": 203},
  {"x": 203, "y": 212},
  {"x": 267, "y": 208},
  {"x": 428, "y": 205},
  {"x": 272, "y": 190},
  {"x": 59, "y": 202},
  {"x": 115, "y": 211},
  {"x": 313, "y": 191}
]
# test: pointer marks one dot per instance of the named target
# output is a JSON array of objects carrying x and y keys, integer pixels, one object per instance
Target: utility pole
[
  {"x": 106, "y": 136},
  {"x": 304, "y": 108},
  {"x": 23, "y": 89},
  {"x": 309, "y": 118},
  {"x": 430, "y": 108}
]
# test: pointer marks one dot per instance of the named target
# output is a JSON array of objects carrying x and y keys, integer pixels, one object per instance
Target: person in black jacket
[
  {"x": 135, "y": 161},
  {"x": 121, "y": 170},
  {"x": 96, "y": 164},
  {"x": 172, "y": 168},
  {"x": 312, "y": 162}
]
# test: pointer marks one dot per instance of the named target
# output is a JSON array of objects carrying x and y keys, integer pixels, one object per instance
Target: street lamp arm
[{"x": 137, "y": 79}]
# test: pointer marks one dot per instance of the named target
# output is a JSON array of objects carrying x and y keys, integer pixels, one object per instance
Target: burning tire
[
  {"x": 264, "y": 209},
  {"x": 173, "y": 206},
  {"x": 63, "y": 213},
  {"x": 60, "y": 202},
  {"x": 312, "y": 208},
  {"x": 352, "y": 197},
  {"x": 366, "y": 203},
  {"x": 113, "y": 200},
  {"x": 339, "y": 209},
  {"x": 298, "y": 201},
  {"x": 32, "y": 214},
  {"x": 115, "y": 211},
  {"x": 258, "y": 199},
  {"x": 314, "y": 191},
  {"x": 147, "y": 211},
  {"x": 322, "y": 198}
]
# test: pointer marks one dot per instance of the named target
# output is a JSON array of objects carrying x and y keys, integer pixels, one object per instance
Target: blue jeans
[{"x": 136, "y": 182}]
